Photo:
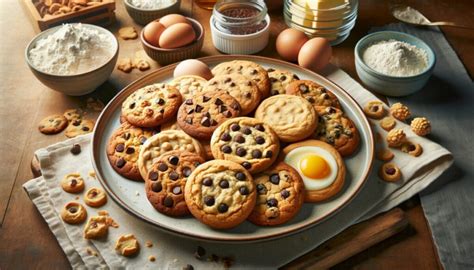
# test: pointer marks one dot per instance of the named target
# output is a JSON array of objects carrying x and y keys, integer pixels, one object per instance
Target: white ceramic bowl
[
  {"x": 143, "y": 16},
  {"x": 392, "y": 85},
  {"x": 77, "y": 84}
]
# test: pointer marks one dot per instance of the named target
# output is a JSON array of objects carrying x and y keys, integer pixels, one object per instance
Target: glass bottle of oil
[{"x": 206, "y": 4}]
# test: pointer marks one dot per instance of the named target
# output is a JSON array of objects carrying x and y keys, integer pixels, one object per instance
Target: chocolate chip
[
  {"x": 132, "y": 105},
  {"x": 207, "y": 114},
  {"x": 244, "y": 190},
  {"x": 173, "y": 160},
  {"x": 296, "y": 77},
  {"x": 272, "y": 202},
  {"x": 205, "y": 99},
  {"x": 326, "y": 96},
  {"x": 269, "y": 154},
  {"x": 200, "y": 252},
  {"x": 241, "y": 151},
  {"x": 239, "y": 139},
  {"x": 126, "y": 136},
  {"x": 235, "y": 127},
  {"x": 248, "y": 95},
  {"x": 209, "y": 200},
  {"x": 246, "y": 165},
  {"x": 153, "y": 175},
  {"x": 218, "y": 102},
  {"x": 390, "y": 171},
  {"x": 198, "y": 108},
  {"x": 222, "y": 208},
  {"x": 206, "y": 122},
  {"x": 160, "y": 101},
  {"x": 188, "y": 102},
  {"x": 240, "y": 176},
  {"x": 76, "y": 149},
  {"x": 156, "y": 186},
  {"x": 142, "y": 140},
  {"x": 261, "y": 189},
  {"x": 162, "y": 110},
  {"x": 176, "y": 190},
  {"x": 186, "y": 171},
  {"x": 272, "y": 80},
  {"x": 253, "y": 72},
  {"x": 168, "y": 202},
  {"x": 259, "y": 140},
  {"x": 224, "y": 184},
  {"x": 222, "y": 108},
  {"x": 130, "y": 150},
  {"x": 331, "y": 110},
  {"x": 189, "y": 121},
  {"x": 225, "y": 137},
  {"x": 120, "y": 163},
  {"x": 235, "y": 106},
  {"x": 232, "y": 84},
  {"x": 282, "y": 78},
  {"x": 246, "y": 131},
  {"x": 303, "y": 88},
  {"x": 207, "y": 182},
  {"x": 228, "y": 80},
  {"x": 323, "y": 90},
  {"x": 260, "y": 127},
  {"x": 256, "y": 153},
  {"x": 310, "y": 99},
  {"x": 85, "y": 128},
  {"x": 174, "y": 175},
  {"x": 190, "y": 111},
  {"x": 275, "y": 179},
  {"x": 270, "y": 70},
  {"x": 162, "y": 167},
  {"x": 226, "y": 149},
  {"x": 76, "y": 122},
  {"x": 227, "y": 114},
  {"x": 285, "y": 194}
]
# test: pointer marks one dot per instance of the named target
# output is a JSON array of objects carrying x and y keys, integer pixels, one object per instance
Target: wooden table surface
[{"x": 25, "y": 240}]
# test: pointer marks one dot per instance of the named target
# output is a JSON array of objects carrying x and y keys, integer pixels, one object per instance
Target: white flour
[
  {"x": 72, "y": 49},
  {"x": 395, "y": 58},
  {"x": 411, "y": 15},
  {"x": 151, "y": 4}
]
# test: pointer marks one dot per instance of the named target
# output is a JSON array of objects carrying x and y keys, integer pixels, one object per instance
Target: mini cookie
[
  {"x": 53, "y": 124},
  {"x": 128, "y": 33},
  {"x": 421, "y": 126},
  {"x": 127, "y": 245},
  {"x": 291, "y": 117},
  {"x": 375, "y": 109},
  {"x": 189, "y": 85},
  {"x": 385, "y": 155},
  {"x": 163, "y": 142},
  {"x": 72, "y": 114},
  {"x": 73, "y": 183},
  {"x": 220, "y": 194},
  {"x": 249, "y": 69},
  {"x": 125, "y": 65},
  {"x": 95, "y": 197},
  {"x": 390, "y": 172},
  {"x": 246, "y": 141},
  {"x": 151, "y": 105},
  {"x": 337, "y": 130},
  {"x": 413, "y": 149},
  {"x": 166, "y": 180},
  {"x": 279, "y": 80},
  {"x": 96, "y": 227},
  {"x": 244, "y": 90},
  {"x": 280, "y": 195},
  {"x": 395, "y": 137},
  {"x": 314, "y": 93},
  {"x": 141, "y": 64},
  {"x": 123, "y": 149},
  {"x": 79, "y": 127},
  {"x": 73, "y": 213},
  {"x": 388, "y": 123},
  {"x": 200, "y": 115},
  {"x": 399, "y": 111}
]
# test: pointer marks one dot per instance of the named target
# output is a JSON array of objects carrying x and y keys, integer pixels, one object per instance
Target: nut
[
  {"x": 395, "y": 137},
  {"x": 54, "y": 7},
  {"x": 421, "y": 126},
  {"x": 400, "y": 111}
]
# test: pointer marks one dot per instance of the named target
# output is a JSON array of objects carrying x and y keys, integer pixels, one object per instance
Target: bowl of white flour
[
  {"x": 394, "y": 63},
  {"x": 73, "y": 58}
]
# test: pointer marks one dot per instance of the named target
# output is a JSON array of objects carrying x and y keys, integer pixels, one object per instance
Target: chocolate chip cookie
[
  {"x": 189, "y": 85},
  {"x": 244, "y": 90},
  {"x": 337, "y": 130},
  {"x": 316, "y": 94},
  {"x": 53, "y": 124},
  {"x": 292, "y": 118},
  {"x": 163, "y": 142},
  {"x": 220, "y": 194},
  {"x": 280, "y": 195},
  {"x": 249, "y": 69},
  {"x": 280, "y": 79},
  {"x": 123, "y": 149},
  {"x": 200, "y": 115},
  {"x": 151, "y": 105},
  {"x": 166, "y": 179},
  {"x": 79, "y": 127},
  {"x": 246, "y": 141}
]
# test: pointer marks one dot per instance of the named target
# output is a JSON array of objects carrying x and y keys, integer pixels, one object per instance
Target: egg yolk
[{"x": 314, "y": 167}]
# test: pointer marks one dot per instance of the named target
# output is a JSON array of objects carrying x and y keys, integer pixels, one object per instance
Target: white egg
[{"x": 299, "y": 155}]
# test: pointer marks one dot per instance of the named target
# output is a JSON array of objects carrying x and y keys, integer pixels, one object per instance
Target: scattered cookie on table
[
  {"x": 413, "y": 149},
  {"x": 127, "y": 32},
  {"x": 94, "y": 104},
  {"x": 279, "y": 80},
  {"x": 73, "y": 183},
  {"x": 141, "y": 64},
  {"x": 189, "y": 85},
  {"x": 73, "y": 114},
  {"x": 95, "y": 197},
  {"x": 375, "y": 109},
  {"x": 385, "y": 154},
  {"x": 125, "y": 65},
  {"x": 395, "y": 137},
  {"x": 314, "y": 93},
  {"x": 79, "y": 127},
  {"x": 421, "y": 126},
  {"x": 75, "y": 149},
  {"x": 96, "y": 227},
  {"x": 148, "y": 244},
  {"x": 388, "y": 123},
  {"x": 73, "y": 213},
  {"x": 127, "y": 245},
  {"x": 151, "y": 258},
  {"x": 400, "y": 111},
  {"x": 390, "y": 172},
  {"x": 52, "y": 124}
]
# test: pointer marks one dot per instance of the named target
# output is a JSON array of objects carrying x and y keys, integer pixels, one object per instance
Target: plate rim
[{"x": 97, "y": 135}]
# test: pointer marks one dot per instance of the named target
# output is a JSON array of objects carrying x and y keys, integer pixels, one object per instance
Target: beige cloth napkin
[{"x": 173, "y": 252}]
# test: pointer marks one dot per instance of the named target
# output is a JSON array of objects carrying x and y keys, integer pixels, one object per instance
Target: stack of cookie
[{"x": 212, "y": 148}]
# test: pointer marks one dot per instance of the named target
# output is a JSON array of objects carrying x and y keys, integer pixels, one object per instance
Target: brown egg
[
  {"x": 177, "y": 35},
  {"x": 315, "y": 54},
  {"x": 152, "y": 33},
  {"x": 193, "y": 67},
  {"x": 171, "y": 19},
  {"x": 289, "y": 43}
]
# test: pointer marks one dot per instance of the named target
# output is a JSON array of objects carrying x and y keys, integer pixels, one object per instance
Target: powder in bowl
[{"x": 151, "y": 4}]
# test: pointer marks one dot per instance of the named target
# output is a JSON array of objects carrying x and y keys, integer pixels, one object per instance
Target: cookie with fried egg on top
[{"x": 320, "y": 166}]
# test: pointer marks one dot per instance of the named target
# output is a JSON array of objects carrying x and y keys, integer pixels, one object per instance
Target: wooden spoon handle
[{"x": 449, "y": 24}]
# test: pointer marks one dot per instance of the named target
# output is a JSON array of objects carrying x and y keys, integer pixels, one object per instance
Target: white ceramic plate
[{"x": 123, "y": 191}]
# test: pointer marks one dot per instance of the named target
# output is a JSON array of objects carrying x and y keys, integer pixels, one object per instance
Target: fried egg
[{"x": 316, "y": 166}]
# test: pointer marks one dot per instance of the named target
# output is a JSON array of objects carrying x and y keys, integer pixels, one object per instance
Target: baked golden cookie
[
  {"x": 320, "y": 166},
  {"x": 279, "y": 80},
  {"x": 73, "y": 183},
  {"x": 127, "y": 245},
  {"x": 73, "y": 213},
  {"x": 96, "y": 227},
  {"x": 53, "y": 124},
  {"x": 385, "y": 155},
  {"x": 337, "y": 130},
  {"x": 220, "y": 194},
  {"x": 246, "y": 141},
  {"x": 291, "y": 117},
  {"x": 200, "y": 115},
  {"x": 413, "y": 149},
  {"x": 314, "y": 93},
  {"x": 95, "y": 197},
  {"x": 151, "y": 105},
  {"x": 243, "y": 89},
  {"x": 189, "y": 85},
  {"x": 396, "y": 137},
  {"x": 375, "y": 109},
  {"x": 163, "y": 142},
  {"x": 280, "y": 195},
  {"x": 390, "y": 172},
  {"x": 387, "y": 123},
  {"x": 421, "y": 126},
  {"x": 72, "y": 114},
  {"x": 249, "y": 69},
  {"x": 400, "y": 111},
  {"x": 166, "y": 179},
  {"x": 79, "y": 127},
  {"x": 123, "y": 149}
]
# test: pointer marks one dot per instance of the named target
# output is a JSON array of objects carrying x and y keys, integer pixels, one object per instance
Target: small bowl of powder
[
  {"x": 73, "y": 58},
  {"x": 145, "y": 11},
  {"x": 394, "y": 63}
]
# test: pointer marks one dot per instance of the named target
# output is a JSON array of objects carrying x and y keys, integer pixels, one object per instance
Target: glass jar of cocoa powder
[{"x": 239, "y": 17}]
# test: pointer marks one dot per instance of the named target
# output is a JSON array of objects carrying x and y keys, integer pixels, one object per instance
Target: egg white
[{"x": 294, "y": 157}]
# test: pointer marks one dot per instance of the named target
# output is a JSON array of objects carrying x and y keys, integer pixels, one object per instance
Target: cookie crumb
[
  {"x": 137, "y": 193},
  {"x": 151, "y": 258},
  {"x": 148, "y": 244},
  {"x": 91, "y": 252},
  {"x": 125, "y": 65},
  {"x": 92, "y": 174},
  {"x": 103, "y": 213},
  {"x": 76, "y": 149},
  {"x": 77, "y": 197},
  {"x": 111, "y": 222}
]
